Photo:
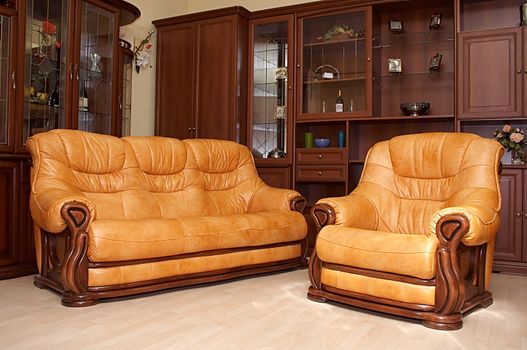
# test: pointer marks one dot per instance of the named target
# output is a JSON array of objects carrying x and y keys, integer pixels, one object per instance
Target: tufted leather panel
[
  {"x": 386, "y": 289},
  {"x": 177, "y": 267},
  {"x": 118, "y": 240}
]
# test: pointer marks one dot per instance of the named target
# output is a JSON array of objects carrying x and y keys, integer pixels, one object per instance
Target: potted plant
[{"x": 513, "y": 139}]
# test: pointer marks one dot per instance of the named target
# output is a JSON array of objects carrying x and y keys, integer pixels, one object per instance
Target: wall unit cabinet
[
  {"x": 511, "y": 241},
  {"x": 51, "y": 53},
  {"x": 201, "y": 75}
]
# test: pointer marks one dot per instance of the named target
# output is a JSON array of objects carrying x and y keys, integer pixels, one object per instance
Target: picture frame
[
  {"x": 435, "y": 62},
  {"x": 435, "y": 21},
  {"x": 395, "y": 65},
  {"x": 396, "y": 26}
]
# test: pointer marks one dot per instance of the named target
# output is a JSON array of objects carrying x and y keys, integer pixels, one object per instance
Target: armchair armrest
[
  {"x": 353, "y": 210},
  {"x": 483, "y": 223},
  {"x": 272, "y": 198},
  {"x": 47, "y": 199}
]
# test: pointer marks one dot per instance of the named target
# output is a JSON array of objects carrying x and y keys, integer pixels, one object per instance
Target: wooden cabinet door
[
  {"x": 9, "y": 189},
  {"x": 509, "y": 237},
  {"x": 175, "y": 81},
  {"x": 276, "y": 177},
  {"x": 216, "y": 78},
  {"x": 490, "y": 73}
]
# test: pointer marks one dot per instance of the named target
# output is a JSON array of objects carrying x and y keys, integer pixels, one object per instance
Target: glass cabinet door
[
  {"x": 45, "y": 60},
  {"x": 336, "y": 64},
  {"x": 97, "y": 44},
  {"x": 271, "y": 81},
  {"x": 125, "y": 97},
  {"x": 6, "y": 81}
]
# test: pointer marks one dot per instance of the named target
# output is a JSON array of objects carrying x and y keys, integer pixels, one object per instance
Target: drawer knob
[
  {"x": 525, "y": 215},
  {"x": 320, "y": 156},
  {"x": 518, "y": 214},
  {"x": 319, "y": 173}
]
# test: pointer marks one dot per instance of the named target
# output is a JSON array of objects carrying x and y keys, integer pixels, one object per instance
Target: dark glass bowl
[{"x": 415, "y": 108}]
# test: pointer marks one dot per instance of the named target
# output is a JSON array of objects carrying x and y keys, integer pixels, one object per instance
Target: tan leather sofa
[
  {"x": 117, "y": 216},
  {"x": 416, "y": 236}
]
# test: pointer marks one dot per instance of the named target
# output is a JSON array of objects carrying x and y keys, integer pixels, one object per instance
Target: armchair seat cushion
[
  {"x": 121, "y": 240},
  {"x": 404, "y": 254}
]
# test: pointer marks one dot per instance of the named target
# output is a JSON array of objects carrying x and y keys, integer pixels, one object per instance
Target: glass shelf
[
  {"x": 334, "y": 42},
  {"x": 432, "y": 75},
  {"x": 408, "y": 39},
  {"x": 343, "y": 79}
]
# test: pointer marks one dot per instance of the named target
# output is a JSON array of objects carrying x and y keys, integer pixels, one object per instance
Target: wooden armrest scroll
[
  {"x": 450, "y": 288},
  {"x": 323, "y": 215},
  {"x": 298, "y": 203},
  {"x": 74, "y": 272}
]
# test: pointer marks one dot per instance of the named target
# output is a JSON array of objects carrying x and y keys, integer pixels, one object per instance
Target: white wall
[{"x": 143, "y": 84}]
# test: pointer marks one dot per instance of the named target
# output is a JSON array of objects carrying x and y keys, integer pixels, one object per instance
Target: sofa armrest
[
  {"x": 272, "y": 198},
  {"x": 47, "y": 199},
  {"x": 353, "y": 210}
]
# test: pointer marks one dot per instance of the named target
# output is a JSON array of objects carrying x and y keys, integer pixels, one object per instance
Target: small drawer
[
  {"x": 321, "y": 156},
  {"x": 326, "y": 173}
]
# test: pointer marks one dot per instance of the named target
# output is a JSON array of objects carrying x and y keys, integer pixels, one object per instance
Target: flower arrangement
[
  {"x": 513, "y": 139},
  {"x": 341, "y": 31},
  {"x": 142, "y": 53}
]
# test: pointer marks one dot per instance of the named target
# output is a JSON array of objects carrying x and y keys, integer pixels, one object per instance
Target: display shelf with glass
[
  {"x": 270, "y": 83},
  {"x": 425, "y": 57},
  {"x": 335, "y": 56},
  {"x": 45, "y": 62}
]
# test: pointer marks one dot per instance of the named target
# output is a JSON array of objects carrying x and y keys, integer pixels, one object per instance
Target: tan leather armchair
[{"x": 416, "y": 236}]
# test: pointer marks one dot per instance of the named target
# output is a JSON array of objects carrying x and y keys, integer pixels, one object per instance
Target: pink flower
[
  {"x": 517, "y": 137},
  {"x": 148, "y": 46},
  {"x": 507, "y": 128}
]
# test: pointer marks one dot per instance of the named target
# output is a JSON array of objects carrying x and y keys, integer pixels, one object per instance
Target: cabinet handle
[
  {"x": 368, "y": 59},
  {"x": 320, "y": 156},
  {"x": 77, "y": 72},
  {"x": 519, "y": 71},
  {"x": 518, "y": 214},
  {"x": 13, "y": 79},
  {"x": 289, "y": 88},
  {"x": 319, "y": 173},
  {"x": 298, "y": 65},
  {"x": 189, "y": 129},
  {"x": 71, "y": 72},
  {"x": 525, "y": 215}
]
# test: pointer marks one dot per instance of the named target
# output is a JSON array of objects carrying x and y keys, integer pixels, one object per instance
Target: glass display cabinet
[
  {"x": 125, "y": 91},
  {"x": 335, "y": 62},
  {"x": 271, "y": 82},
  {"x": 72, "y": 65}
]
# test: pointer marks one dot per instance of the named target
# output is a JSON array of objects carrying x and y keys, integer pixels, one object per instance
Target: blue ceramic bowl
[{"x": 321, "y": 143}]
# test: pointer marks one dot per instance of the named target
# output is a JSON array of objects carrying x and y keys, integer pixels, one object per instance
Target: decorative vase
[{"x": 518, "y": 156}]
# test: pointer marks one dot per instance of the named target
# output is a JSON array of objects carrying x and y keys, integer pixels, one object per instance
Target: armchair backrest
[{"x": 410, "y": 177}]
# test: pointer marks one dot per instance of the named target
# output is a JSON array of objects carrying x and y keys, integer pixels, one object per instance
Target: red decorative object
[{"x": 49, "y": 28}]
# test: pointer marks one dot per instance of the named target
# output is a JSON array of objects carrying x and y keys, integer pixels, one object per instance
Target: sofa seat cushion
[
  {"x": 404, "y": 254},
  {"x": 120, "y": 240}
]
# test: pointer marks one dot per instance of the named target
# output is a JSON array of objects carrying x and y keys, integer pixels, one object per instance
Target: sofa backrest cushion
[
  {"x": 148, "y": 177},
  {"x": 228, "y": 172}
]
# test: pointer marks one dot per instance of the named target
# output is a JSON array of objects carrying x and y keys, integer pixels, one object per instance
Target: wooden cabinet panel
[
  {"x": 9, "y": 172},
  {"x": 490, "y": 73},
  {"x": 175, "y": 91},
  {"x": 276, "y": 177},
  {"x": 322, "y": 173},
  {"x": 215, "y": 74},
  {"x": 509, "y": 237},
  {"x": 204, "y": 57},
  {"x": 321, "y": 156}
]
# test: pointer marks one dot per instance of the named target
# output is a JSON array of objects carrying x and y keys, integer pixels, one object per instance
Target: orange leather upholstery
[
  {"x": 155, "y": 197},
  {"x": 390, "y": 222}
]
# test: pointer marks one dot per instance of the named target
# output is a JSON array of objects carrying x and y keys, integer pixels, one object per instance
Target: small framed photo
[
  {"x": 435, "y": 21},
  {"x": 435, "y": 62},
  {"x": 395, "y": 65},
  {"x": 395, "y": 26}
]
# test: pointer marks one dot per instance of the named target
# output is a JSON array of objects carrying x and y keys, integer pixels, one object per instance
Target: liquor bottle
[
  {"x": 83, "y": 99},
  {"x": 339, "y": 104}
]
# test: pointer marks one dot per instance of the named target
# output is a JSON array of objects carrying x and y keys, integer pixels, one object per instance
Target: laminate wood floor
[{"x": 268, "y": 312}]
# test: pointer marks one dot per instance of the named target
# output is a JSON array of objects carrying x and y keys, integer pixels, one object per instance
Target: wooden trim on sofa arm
[
  {"x": 298, "y": 204},
  {"x": 323, "y": 215}
]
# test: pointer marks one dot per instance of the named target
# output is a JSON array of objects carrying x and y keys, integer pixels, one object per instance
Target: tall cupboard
[{"x": 61, "y": 66}]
